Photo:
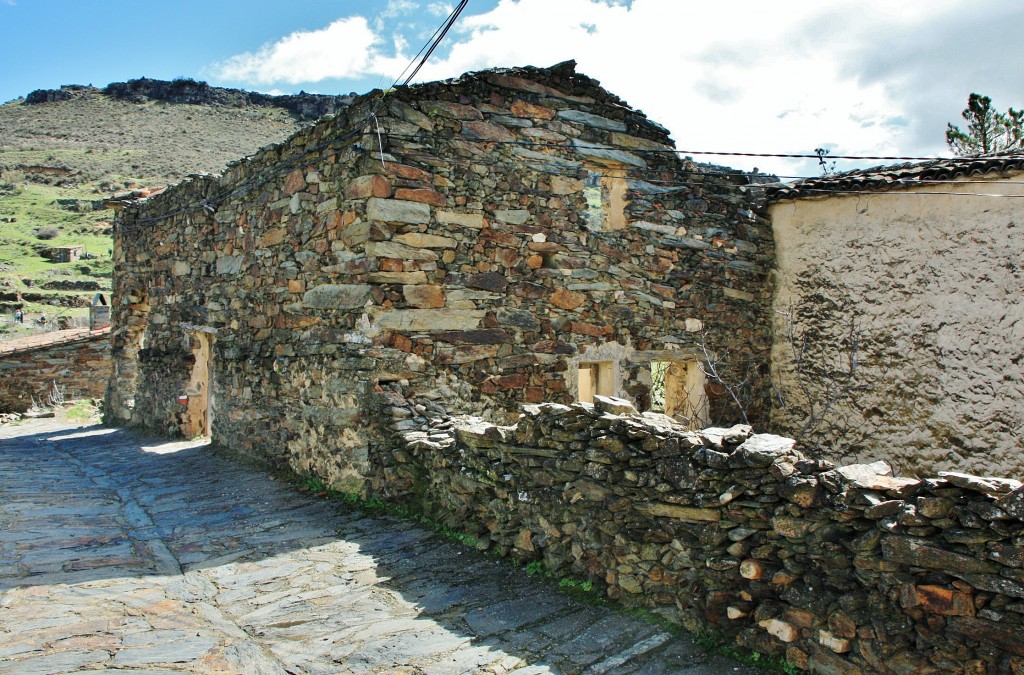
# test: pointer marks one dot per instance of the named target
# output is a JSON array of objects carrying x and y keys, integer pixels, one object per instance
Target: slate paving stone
[
  {"x": 507, "y": 616},
  {"x": 178, "y": 651},
  {"x": 19, "y": 647},
  {"x": 149, "y": 556},
  {"x": 58, "y": 662},
  {"x": 567, "y": 625}
]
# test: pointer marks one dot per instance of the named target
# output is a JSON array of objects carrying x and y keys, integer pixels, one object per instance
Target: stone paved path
[{"x": 120, "y": 554}]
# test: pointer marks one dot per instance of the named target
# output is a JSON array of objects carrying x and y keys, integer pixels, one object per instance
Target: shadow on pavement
[{"x": 310, "y": 580}]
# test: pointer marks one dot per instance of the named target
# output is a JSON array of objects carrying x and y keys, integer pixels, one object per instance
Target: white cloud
[
  {"x": 394, "y": 9},
  {"x": 343, "y": 49},
  {"x": 755, "y": 77},
  {"x": 440, "y": 9},
  {"x": 399, "y": 8},
  {"x": 784, "y": 76}
]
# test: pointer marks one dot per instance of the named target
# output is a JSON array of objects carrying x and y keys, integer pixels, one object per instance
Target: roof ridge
[{"x": 899, "y": 176}]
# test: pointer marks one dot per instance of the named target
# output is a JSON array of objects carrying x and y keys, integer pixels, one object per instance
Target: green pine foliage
[{"x": 988, "y": 130}]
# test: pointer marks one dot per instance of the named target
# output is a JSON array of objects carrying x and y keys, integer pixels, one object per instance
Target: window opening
[
  {"x": 595, "y": 378},
  {"x": 605, "y": 191},
  {"x": 678, "y": 390}
]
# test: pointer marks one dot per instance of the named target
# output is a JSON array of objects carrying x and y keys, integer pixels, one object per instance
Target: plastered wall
[{"x": 924, "y": 290}]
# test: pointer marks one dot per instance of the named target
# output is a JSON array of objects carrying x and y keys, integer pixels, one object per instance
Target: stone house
[
  {"x": 74, "y": 362},
  {"x": 913, "y": 274},
  {"x": 510, "y": 236},
  {"x": 518, "y": 236},
  {"x": 63, "y": 254}
]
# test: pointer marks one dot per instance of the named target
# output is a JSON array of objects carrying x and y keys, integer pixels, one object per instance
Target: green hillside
[{"x": 63, "y": 151}]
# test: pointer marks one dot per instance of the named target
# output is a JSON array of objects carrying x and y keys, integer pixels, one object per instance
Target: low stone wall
[
  {"x": 839, "y": 569},
  {"x": 77, "y": 360}
]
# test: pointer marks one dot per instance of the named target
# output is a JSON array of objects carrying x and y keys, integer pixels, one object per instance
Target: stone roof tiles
[{"x": 898, "y": 176}]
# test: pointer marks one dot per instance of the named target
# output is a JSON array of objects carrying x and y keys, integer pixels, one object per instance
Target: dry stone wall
[
  {"x": 479, "y": 237},
  {"x": 79, "y": 365},
  {"x": 840, "y": 569}
]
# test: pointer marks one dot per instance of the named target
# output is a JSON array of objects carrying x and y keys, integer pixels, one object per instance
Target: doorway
[{"x": 198, "y": 417}]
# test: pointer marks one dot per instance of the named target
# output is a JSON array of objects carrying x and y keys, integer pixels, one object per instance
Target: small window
[
  {"x": 595, "y": 378},
  {"x": 678, "y": 390},
  {"x": 605, "y": 191}
]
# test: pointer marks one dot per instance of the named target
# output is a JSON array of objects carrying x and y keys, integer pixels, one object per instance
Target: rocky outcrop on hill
[
  {"x": 305, "y": 106},
  {"x": 65, "y": 93}
]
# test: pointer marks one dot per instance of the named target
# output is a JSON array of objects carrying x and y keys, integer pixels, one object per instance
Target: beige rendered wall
[{"x": 931, "y": 286}]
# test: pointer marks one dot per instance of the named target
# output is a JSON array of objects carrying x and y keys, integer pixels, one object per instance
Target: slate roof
[{"x": 898, "y": 176}]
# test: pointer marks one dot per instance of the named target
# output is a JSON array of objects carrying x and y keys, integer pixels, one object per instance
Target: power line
[
  {"x": 669, "y": 151},
  {"x": 889, "y": 158},
  {"x": 636, "y": 173},
  {"x": 434, "y": 42},
  {"x": 895, "y": 182},
  {"x": 651, "y": 176}
]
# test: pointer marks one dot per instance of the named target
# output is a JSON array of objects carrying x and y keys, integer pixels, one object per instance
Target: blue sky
[
  {"x": 54, "y": 42},
  {"x": 875, "y": 77}
]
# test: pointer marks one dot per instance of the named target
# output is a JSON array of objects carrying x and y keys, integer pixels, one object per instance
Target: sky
[{"x": 872, "y": 77}]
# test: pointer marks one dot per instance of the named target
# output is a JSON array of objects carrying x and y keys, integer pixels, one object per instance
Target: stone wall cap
[
  {"x": 984, "y": 484},
  {"x": 615, "y": 406},
  {"x": 547, "y": 408},
  {"x": 760, "y": 450},
  {"x": 874, "y": 476}
]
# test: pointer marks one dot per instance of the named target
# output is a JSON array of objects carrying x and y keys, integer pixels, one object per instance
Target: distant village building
[
  {"x": 99, "y": 313},
  {"x": 65, "y": 254}
]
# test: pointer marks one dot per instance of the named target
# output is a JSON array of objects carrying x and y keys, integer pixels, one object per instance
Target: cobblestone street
[{"x": 120, "y": 553}]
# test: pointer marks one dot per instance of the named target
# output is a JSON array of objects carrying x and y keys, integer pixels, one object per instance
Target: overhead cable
[{"x": 432, "y": 44}]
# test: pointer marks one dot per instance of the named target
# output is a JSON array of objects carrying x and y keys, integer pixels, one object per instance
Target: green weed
[
  {"x": 537, "y": 567},
  {"x": 569, "y": 584},
  {"x": 712, "y": 642},
  {"x": 82, "y": 411}
]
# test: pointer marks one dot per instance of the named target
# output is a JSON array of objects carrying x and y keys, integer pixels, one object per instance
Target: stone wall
[
  {"x": 929, "y": 288},
  {"x": 481, "y": 237},
  {"x": 838, "y": 569},
  {"x": 77, "y": 360}
]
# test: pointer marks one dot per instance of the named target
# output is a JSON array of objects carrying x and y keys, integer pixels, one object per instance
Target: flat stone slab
[{"x": 127, "y": 553}]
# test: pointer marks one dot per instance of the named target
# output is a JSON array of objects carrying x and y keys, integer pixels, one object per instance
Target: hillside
[{"x": 63, "y": 151}]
